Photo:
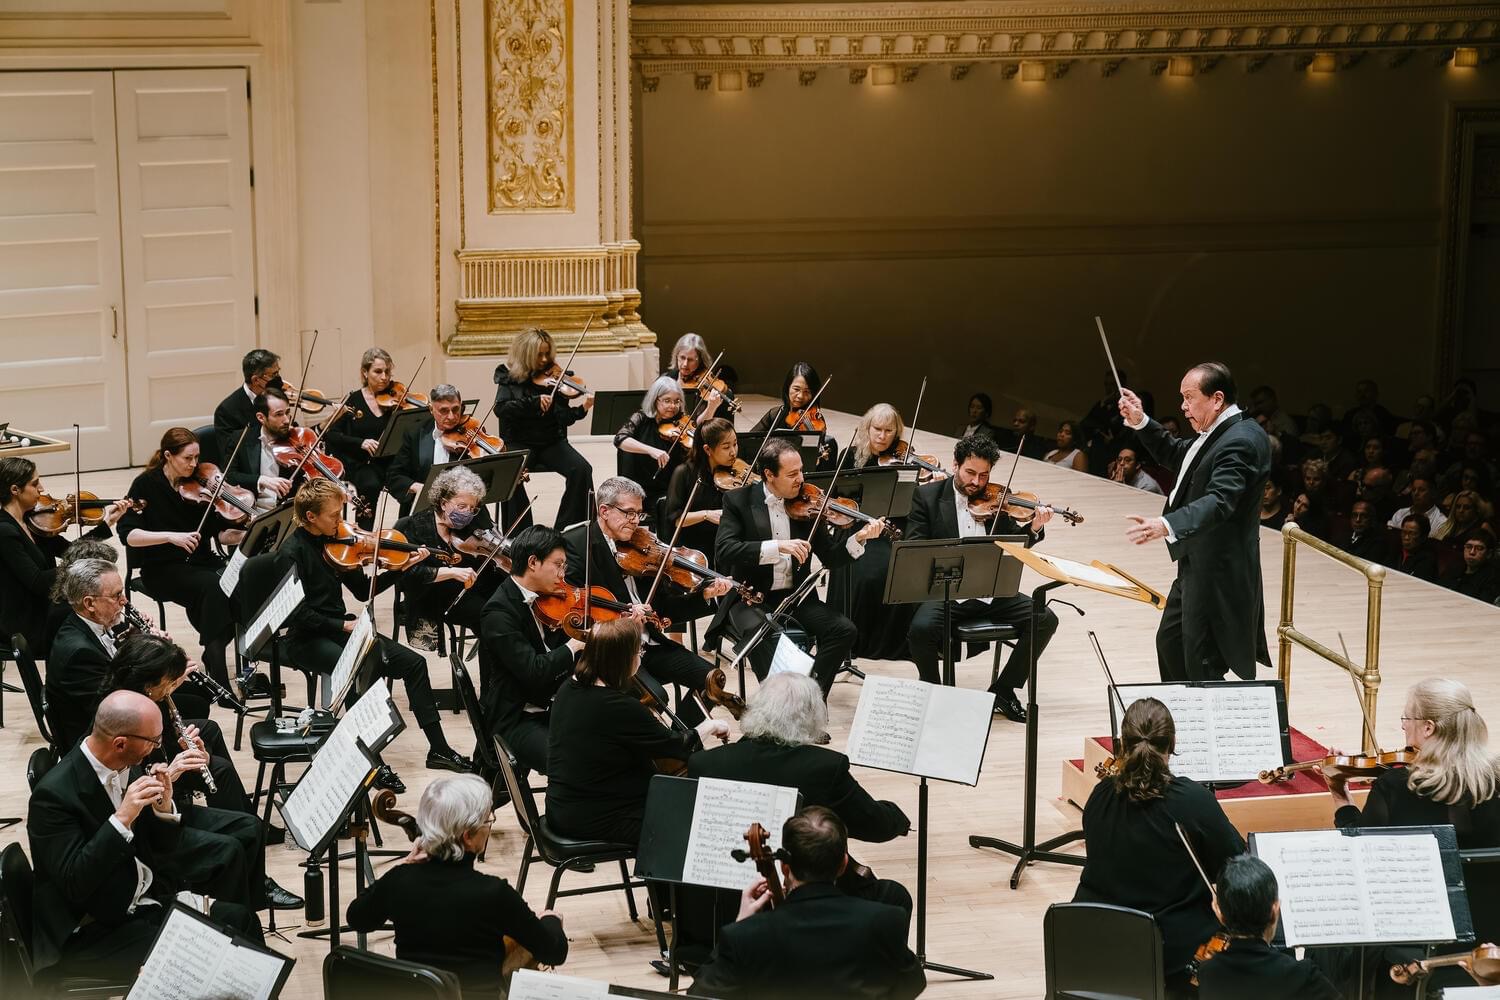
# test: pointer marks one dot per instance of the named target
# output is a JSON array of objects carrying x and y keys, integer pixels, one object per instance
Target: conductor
[{"x": 1214, "y": 621}]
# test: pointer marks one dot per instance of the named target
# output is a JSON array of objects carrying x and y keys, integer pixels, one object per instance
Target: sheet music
[
  {"x": 722, "y": 812},
  {"x": 918, "y": 728},
  {"x": 1471, "y": 993},
  {"x": 230, "y": 578},
  {"x": 282, "y": 604},
  {"x": 192, "y": 959},
  {"x": 527, "y": 984},
  {"x": 1371, "y": 889},
  {"x": 1228, "y": 733},
  {"x": 1085, "y": 573},
  {"x": 790, "y": 659},
  {"x": 319, "y": 800},
  {"x": 355, "y": 647},
  {"x": 369, "y": 719}
]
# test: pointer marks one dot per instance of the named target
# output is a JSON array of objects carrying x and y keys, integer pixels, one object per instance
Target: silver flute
[{"x": 191, "y": 744}]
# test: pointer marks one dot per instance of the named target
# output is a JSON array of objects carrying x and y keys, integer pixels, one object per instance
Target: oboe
[
  {"x": 215, "y": 690},
  {"x": 189, "y": 744}
]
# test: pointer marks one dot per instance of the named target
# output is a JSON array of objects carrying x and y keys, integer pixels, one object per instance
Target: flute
[{"x": 189, "y": 744}]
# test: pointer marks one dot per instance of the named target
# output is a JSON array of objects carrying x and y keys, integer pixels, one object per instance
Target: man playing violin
[
  {"x": 262, "y": 370},
  {"x": 255, "y": 467},
  {"x": 422, "y": 446},
  {"x": 940, "y": 509},
  {"x": 620, "y": 502},
  {"x": 760, "y": 544}
]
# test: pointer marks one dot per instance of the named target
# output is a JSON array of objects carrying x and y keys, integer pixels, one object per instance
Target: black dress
[
  {"x": 709, "y": 497},
  {"x": 28, "y": 567},
  {"x": 762, "y": 428},
  {"x": 344, "y": 441},
  {"x": 643, "y": 468},
  {"x": 426, "y": 602},
  {"x": 858, "y": 590},
  {"x": 524, "y": 425}
]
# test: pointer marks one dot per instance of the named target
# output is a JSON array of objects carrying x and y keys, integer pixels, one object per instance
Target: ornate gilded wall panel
[{"x": 529, "y": 104}]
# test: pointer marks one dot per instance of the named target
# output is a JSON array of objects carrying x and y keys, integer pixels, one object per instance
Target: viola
[
  {"x": 841, "y": 511},
  {"x": 642, "y": 554},
  {"x": 308, "y": 400},
  {"x": 1358, "y": 765},
  {"x": 928, "y": 464},
  {"x": 1021, "y": 507},
  {"x": 705, "y": 382},
  {"x": 395, "y": 396},
  {"x": 234, "y": 503},
  {"x": 471, "y": 440},
  {"x": 304, "y": 450},
  {"x": 354, "y": 547},
  {"x": 574, "y": 611},
  {"x": 52, "y": 517},
  {"x": 678, "y": 429},
  {"x": 565, "y": 382},
  {"x": 1208, "y": 950},
  {"x": 732, "y": 477},
  {"x": 758, "y": 838},
  {"x": 810, "y": 419},
  {"x": 1484, "y": 963},
  {"x": 664, "y": 765},
  {"x": 494, "y": 546}
]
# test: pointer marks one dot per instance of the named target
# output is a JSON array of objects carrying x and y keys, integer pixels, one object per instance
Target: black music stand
[
  {"x": 251, "y": 644},
  {"x": 395, "y": 429},
  {"x": 268, "y": 531},
  {"x": 500, "y": 473},
  {"x": 612, "y": 407},
  {"x": 809, "y": 444}
]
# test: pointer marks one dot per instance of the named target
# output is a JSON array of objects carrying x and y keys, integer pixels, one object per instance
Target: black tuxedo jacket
[
  {"x": 1251, "y": 969},
  {"x": 83, "y": 866},
  {"x": 934, "y": 514},
  {"x": 412, "y": 462},
  {"x": 820, "y": 943},
  {"x": 75, "y": 669},
  {"x": 1216, "y": 520},
  {"x": 246, "y": 469},
  {"x": 604, "y": 571},
  {"x": 232, "y": 416},
  {"x": 746, "y": 523},
  {"x": 517, "y": 667}
]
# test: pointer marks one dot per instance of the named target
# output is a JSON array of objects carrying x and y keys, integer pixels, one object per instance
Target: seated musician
[
  {"x": 715, "y": 448},
  {"x": 603, "y": 742},
  {"x": 535, "y": 418},
  {"x": 665, "y": 661},
  {"x": 448, "y": 525},
  {"x": 355, "y": 438},
  {"x": 447, "y": 914},
  {"x": 177, "y": 563},
  {"x": 760, "y": 544},
  {"x": 646, "y": 456},
  {"x": 819, "y": 943},
  {"x": 940, "y": 509},
  {"x": 28, "y": 558},
  {"x": 1250, "y": 968},
  {"x": 1136, "y": 857},
  {"x": 59, "y": 609},
  {"x": 522, "y": 662},
  {"x": 254, "y": 466},
  {"x": 262, "y": 370},
  {"x": 797, "y": 393},
  {"x": 111, "y": 851},
  {"x": 422, "y": 446},
  {"x": 320, "y": 626},
  {"x": 83, "y": 647},
  {"x": 690, "y": 361}
]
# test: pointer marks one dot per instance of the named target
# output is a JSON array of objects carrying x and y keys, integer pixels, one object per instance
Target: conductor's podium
[{"x": 1301, "y": 803}]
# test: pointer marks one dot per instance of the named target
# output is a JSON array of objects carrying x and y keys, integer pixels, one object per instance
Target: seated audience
[
  {"x": 1416, "y": 557},
  {"x": 1477, "y": 576},
  {"x": 981, "y": 408},
  {"x": 1310, "y": 512},
  {"x": 1315, "y": 482},
  {"x": 1273, "y": 504},
  {"x": 1126, "y": 468},
  {"x": 1066, "y": 451},
  {"x": 1375, "y": 458},
  {"x": 1265, "y": 407},
  {"x": 1423, "y": 502},
  {"x": 1469, "y": 512},
  {"x": 1368, "y": 538},
  {"x": 1378, "y": 488},
  {"x": 1024, "y": 423}
]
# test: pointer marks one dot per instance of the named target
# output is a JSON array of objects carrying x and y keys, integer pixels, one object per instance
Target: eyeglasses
[
  {"x": 633, "y": 515},
  {"x": 155, "y": 741}
]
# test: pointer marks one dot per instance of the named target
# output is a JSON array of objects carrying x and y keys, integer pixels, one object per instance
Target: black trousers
[
  {"x": 387, "y": 659},
  {"x": 431, "y": 602},
  {"x": 195, "y": 587},
  {"x": 368, "y": 477},
  {"x": 560, "y": 457},
  {"x": 833, "y": 633},
  {"x": 527, "y": 739},
  {"x": 1174, "y": 659},
  {"x": 670, "y": 662},
  {"x": 926, "y": 639},
  {"x": 116, "y": 953},
  {"x": 219, "y": 854}
]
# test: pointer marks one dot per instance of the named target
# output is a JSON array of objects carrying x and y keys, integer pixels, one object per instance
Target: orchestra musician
[
  {"x": 320, "y": 627},
  {"x": 355, "y": 439},
  {"x": 1136, "y": 857},
  {"x": 521, "y": 662},
  {"x": 111, "y": 850},
  {"x": 1212, "y": 528},
  {"x": 82, "y": 648},
  {"x": 448, "y": 914},
  {"x": 254, "y": 466},
  {"x": 715, "y": 448},
  {"x": 940, "y": 509},
  {"x": 28, "y": 559},
  {"x": 690, "y": 361},
  {"x": 422, "y": 446},
  {"x": 603, "y": 742},
  {"x": 760, "y": 544},
  {"x": 646, "y": 456},
  {"x": 535, "y": 418},
  {"x": 59, "y": 609},
  {"x": 667, "y": 662},
  {"x": 802, "y": 386},
  {"x": 176, "y": 562},
  {"x": 448, "y": 525},
  {"x": 262, "y": 370},
  {"x": 818, "y": 943}
]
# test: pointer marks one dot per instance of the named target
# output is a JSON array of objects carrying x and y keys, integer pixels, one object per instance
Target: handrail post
[{"x": 1288, "y": 589}]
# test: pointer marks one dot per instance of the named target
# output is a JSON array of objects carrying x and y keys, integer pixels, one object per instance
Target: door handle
[{"x": 114, "y": 318}]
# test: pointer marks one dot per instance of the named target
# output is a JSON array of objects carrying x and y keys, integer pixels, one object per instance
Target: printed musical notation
[
  {"x": 722, "y": 812},
  {"x": 192, "y": 958},
  {"x": 1224, "y": 733},
  {"x": 527, "y": 984},
  {"x": 913, "y": 727}
]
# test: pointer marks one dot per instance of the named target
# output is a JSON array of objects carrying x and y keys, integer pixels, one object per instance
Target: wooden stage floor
[{"x": 974, "y": 919}]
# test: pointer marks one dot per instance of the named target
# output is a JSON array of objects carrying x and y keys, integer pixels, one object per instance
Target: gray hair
[
  {"x": 84, "y": 548},
  {"x": 616, "y": 487},
  {"x": 451, "y": 807},
  {"x": 446, "y": 392},
  {"x": 85, "y": 578},
  {"x": 451, "y": 482},
  {"x": 787, "y": 708},
  {"x": 662, "y": 386},
  {"x": 694, "y": 343}
]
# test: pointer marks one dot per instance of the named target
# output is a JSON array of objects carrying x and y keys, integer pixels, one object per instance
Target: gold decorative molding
[{"x": 529, "y": 104}]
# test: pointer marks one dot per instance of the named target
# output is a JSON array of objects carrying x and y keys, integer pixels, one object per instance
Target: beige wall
[{"x": 1285, "y": 222}]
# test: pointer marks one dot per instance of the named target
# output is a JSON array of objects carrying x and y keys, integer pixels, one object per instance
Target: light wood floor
[{"x": 974, "y": 919}]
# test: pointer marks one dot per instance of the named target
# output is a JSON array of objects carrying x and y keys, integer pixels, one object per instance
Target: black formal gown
[
  {"x": 28, "y": 567},
  {"x": 708, "y": 497},
  {"x": 858, "y": 590},
  {"x": 345, "y": 440}
]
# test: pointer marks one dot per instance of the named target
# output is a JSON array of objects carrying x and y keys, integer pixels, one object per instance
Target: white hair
[
  {"x": 662, "y": 386},
  {"x": 616, "y": 487},
  {"x": 85, "y": 578},
  {"x": 450, "y": 808},
  {"x": 787, "y": 708}
]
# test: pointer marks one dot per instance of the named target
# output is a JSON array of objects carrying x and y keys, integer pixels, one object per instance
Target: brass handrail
[{"x": 1368, "y": 675}]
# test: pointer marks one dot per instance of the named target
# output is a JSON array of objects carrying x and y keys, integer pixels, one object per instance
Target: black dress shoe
[
  {"x": 448, "y": 760},
  {"x": 275, "y": 835},
  {"x": 1008, "y": 705},
  {"x": 386, "y": 778},
  {"x": 278, "y": 898}
]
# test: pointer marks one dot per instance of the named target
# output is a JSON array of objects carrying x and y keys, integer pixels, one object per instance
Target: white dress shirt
[
  {"x": 968, "y": 525},
  {"x": 1435, "y": 518},
  {"x": 782, "y": 566},
  {"x": 440, "y": 454},
  {"x": 265, "y": 497},
  {"x": 1187, "y": 460},
  {"x": 102, "y": 634},
  {"x": 630, "y": 588}
]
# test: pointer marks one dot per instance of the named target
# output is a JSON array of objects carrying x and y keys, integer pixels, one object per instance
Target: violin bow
[
  {"x": 911, "y": 439},
  {"x": 769, "y": 430},
  {"x": 78, "y": 479},
  {"x": 1114, "y": 688},
  {"x": 676, "y": 532},
  {"x": 827, "y": 496},
  {"x": 302, "y": 385},
  {"x": 702, "y": 403},
  {"x": 810, "y": 403},
  {"x": 489, "y": 557},
  {"x": 563, "y": 370},
  {"x": 1005, "y": 491},
  {"x": 219, "y": 489},
  {"x": 406, "y": 386},
  {"x": 1360, "y": 701},
  {"x": 1196, "y": 863},
  {"x": 588, "y": 559}
]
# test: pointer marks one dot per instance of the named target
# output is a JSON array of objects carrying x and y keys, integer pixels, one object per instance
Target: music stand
[
  {"x": 265, "y": 631},
  {"x": 268, "y": 531},
  {"x": 395, "y": 429},
  {"x": 612, "y": 407},
  {"x": 500, "y": 473},
  {"x": 809, "y": 444},
  {"x": 881, "y": 491}
]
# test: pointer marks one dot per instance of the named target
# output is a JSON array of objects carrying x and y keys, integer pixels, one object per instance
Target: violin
[
  {"x": 1358, "y": 765},
  {"x": 566, "y": 610},
  {"x": 304, "y": 450},
  {"x": 565, "y": 382},
  {"x": 678, "y": 429},
  {"x": 1109, "y": 767},
  {"x": 471, "y": 440},
  {"x": 1208, "y": 950},
  {"x": 383, "y": 808},
  {"x": 737, "y": 474},
  {"x": 705, "y": 382},
  {"x": 841, "y": 511},
  {"x": 1484, "y": 963},
  {"x": 354, "y": 547},
  {"x": 235, "y": 503},
  {"x": 810, "y": 419},
  {"x": 52, "y": 517},
  {"x": 1021, "y": 507},
  {"x": 664, "y": 765},
  {"x": 308, "y": 400},
  {"x": 928, "y": 464},
  {"x": 758, "y": 838},
  {"x": 396, "y": 397},
  {"x": 643, "y": 554},
  {"x": 496, "y": 546}
]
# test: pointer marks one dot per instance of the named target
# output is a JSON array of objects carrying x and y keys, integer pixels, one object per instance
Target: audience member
[
  {"x": 1174, "y": 426},
  {"x": 1338, "y": 459},
  {"x": 1273, "y": 506},
  {"x": 1367, "y": 399},
  {"x": 1315, "y": 480},
  {"x": 1101, "y": 427},
  {"x": 1265, "y": 407},
  {"x": 1066, "y": 451},
  {"x": 1423, "y": 409},
  {"x": 1373, "y": 450},
  {"x": 1477, "y": 576},
  {"x": 1126, "y": 468},
  {"x": 1378, "y": 489},
  {"x": 1416, "y": 557},
  {"x": 1369, "y": 538},
  {"x": 1468, "y": 513},
  {"x": 1024, "y": 423},
  {"x": 1423, "y": 503},
  {"x": 981, "y": 408},
  {"x": 1310, "y": 513}
]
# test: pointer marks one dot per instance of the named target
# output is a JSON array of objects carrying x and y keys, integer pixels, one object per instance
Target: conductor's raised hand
[
  {"x": 1131, "y": 410},
  {"x": 1145, "y": 529}
]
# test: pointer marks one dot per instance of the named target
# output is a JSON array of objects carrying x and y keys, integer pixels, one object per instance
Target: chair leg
[
  {"x": 552, "y": 890},
  {"x": 525, "y": 867},
  {"x": 995, "y": 666},
  {"x": 630, "y": 895},
  {"x": 260, "y": 776}
]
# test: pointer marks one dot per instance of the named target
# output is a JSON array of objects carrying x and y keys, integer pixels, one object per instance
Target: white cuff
[
  {"x": 770, "y": 555},
  {"x": 1144, "y": 421},
  {"x": 121, "y": 828},
  {"x": 855, "y": 547},
  {"x": 1171, "y": 535}
]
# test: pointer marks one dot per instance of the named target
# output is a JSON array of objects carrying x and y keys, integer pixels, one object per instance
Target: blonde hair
[
  {"x": 525, "y": 348},
  {"x": 1454, "y": 766},
  {"x": 880, "y": 413},
  {"x": 368, "y": 359},
  {"x": 314, "y": 495}
]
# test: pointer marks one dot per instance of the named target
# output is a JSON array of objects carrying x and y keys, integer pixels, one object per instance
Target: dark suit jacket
[
  {"x": 516, "y": 666},
  {"x": 28, "y": 568},
  {"x": 75, "y": 670},
  {"x": 818, "y": 944},
  {"x": 934, "y": 514},
  {"x": 746, "y": 523},
  {"x": 1216, "y": 520},
  {"x": 1421, "y": 563},
  {"x": 604, "y": 571},
  {"x": 83, "y": 866},
  {"x": 1375, "y": 545},
  {"x": 412, "y": 462},
  {"x": 1251, "y": 970},
  {"x": 232, "y": 416},
  {"x": 246, "y": 469}
]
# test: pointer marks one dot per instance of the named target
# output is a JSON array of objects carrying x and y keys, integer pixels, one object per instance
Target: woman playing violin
[
  {"x": 449, "y": 525},
  {"x": 648, "y": 456},
  {"x": 176, "y": 561},
  {"x": 716, "y": 449},
  {"x": 537, "y": 419},
  {"x": 355, "y": 439},
  {"x": 603, "y": 741},
  {"x": 690, "y": 360},
  {"x": 797, "y": 393}
]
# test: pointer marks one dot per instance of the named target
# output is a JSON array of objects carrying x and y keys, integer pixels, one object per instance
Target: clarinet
[
  {"x": 181, "y": 727},
  {"x": 135, "y": 622}
]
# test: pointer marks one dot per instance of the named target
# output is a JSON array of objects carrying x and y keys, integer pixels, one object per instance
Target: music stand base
[
  {"x": 1031, "y": 855},
  {"x": 953, "y": 970}
]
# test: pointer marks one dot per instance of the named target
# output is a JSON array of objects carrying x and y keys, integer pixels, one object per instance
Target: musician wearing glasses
[
  {"x": 448, "y": 525},
  {"x": 83, "y": 647}
]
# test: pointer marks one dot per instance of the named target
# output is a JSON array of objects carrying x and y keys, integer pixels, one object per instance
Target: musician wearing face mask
[
  {"x": 262, "y": 370},
  {"x": 255, "y": 467},
  {"x": 449, "y": 525},
  {"x": 423, "y": 446}
]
